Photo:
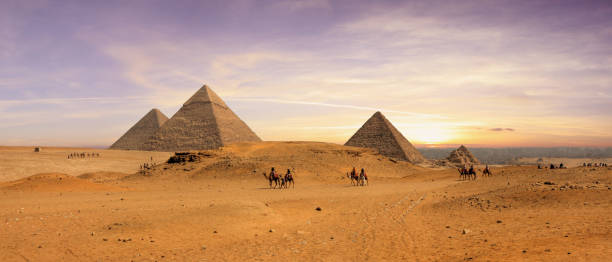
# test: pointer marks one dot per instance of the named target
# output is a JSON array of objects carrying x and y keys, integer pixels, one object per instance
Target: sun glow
[{"x": 429, "y": 135}]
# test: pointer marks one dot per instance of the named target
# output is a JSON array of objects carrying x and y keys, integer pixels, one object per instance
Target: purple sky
[{"x": 483, "y": 73}]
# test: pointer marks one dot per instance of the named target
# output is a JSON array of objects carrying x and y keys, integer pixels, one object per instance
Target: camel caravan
[
  {"x": 83, "y": 155},
  {"x": 470, "y": 174},
  {"x": 279, "y": 180},
  {"x": 595, "y": 164},
  {"x": 360, "y": 179}
]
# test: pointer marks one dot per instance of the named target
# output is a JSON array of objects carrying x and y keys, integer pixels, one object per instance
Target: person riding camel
[
  {"x": 288, "y": 175},
  {"x": 363, "y": 173},
  {"x": 353, "y": 172},
  {"x": 273, "y": 174},
  {"x": 471, "y": 171}
]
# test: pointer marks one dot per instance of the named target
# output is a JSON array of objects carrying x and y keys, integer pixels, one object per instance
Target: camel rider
[
  {"x": 363, "y": 173},
  {"x": 289, "y": 175},
  {"x": 273, "y": 173},
  {"x": 471, "y": 169},
  {"x": 354, "y": 172}
]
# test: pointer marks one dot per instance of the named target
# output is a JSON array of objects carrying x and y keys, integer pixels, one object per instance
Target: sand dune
[
  {"x": 55, "y": 182},
  {"x": 20, "y": 162},
  {"x": 217, "y": 209}
]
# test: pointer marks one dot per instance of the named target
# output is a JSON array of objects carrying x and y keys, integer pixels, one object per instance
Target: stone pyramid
[
  {"x": 462, "y": 156},
  {"x": 379, "y": 133},
  {"x": 204, "y": 122},
  {"x": 141, "y": 131}
]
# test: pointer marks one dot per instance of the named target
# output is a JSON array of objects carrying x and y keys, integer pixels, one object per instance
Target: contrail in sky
[{"x": 282, "y": 101}]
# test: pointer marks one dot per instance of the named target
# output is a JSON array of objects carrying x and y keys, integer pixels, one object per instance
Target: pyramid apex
[
  {"x": 378, "y": 114},
  {"x": 205, "y": 95}
]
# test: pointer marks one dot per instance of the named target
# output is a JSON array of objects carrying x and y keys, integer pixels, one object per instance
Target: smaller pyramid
[
  {"x": 378, "y": 133},
  {"x": 141, "y": 131},
  {"x": 462, "y": 157}
]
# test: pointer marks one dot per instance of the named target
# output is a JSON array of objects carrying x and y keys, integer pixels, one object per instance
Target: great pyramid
[
  {"x": 204, "y": 122},
  {"x": 379, "y": 133},
  {"x": 141, "y": 131},
  {"x": 462, "y": 157}
]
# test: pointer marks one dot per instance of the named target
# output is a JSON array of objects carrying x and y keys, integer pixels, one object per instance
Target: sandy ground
[
  {"x": 20, "y": 162},
  {"x": 569, "y": 162},
  {"x": 218, "y": 209}
]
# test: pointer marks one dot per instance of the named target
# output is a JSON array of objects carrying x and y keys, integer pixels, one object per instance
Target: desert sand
[{"x": 220, "y": 208}]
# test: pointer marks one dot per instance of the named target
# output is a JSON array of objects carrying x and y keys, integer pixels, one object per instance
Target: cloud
[
  {"x": 71, "y": 100},
  {"x": 298, "y": 5},
  {"x": 499, "y": 129}
]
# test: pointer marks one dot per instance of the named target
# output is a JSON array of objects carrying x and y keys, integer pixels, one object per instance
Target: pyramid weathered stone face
[
  {"x": 204, "y": 122},
  {"x": 462, "y": 157},
  {"x": 141, "y": 131},
  {"x": 379, "y": 133}
]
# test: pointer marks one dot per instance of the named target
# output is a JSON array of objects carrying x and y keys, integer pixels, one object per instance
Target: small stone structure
[
  {"x": 378, "y": 133},
  {"x": 37, "y": 149}
]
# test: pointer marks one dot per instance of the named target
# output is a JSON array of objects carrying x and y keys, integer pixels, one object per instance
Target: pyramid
[
  {"x": 379, "y": 133},
  {"x": 462, "y": 157},
  {"x": 141, "y": 131},
  {"x": 204, "y": 122}
]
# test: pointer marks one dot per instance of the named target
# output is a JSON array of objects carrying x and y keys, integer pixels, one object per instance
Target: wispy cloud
[
  {"x": 438, "y": 70},
  {"x": 370, "y": 109},
  {"x": 499, "y": 129},
  {"x": 297, "y": 5},
  {"x": 71, "y": 100}
]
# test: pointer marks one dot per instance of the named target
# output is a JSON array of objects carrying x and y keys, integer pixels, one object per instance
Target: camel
[
  {"x": 273, "y": 177},
  {"x": 288, "y": 179},
  {"x": 486, "y": 171},
  {"x": 464, "y": 173},
  {"x": 354, "y": 177},
  {"x": 363, "y": 180}
]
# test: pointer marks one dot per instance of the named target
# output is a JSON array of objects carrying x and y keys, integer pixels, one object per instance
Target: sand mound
[
  {"x": 55, "y": 182},
  {"x": 101, "y": 177},
  {"x": 307, "y": 159}
]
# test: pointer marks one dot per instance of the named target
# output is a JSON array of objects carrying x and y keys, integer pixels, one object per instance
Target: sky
[{"x": 479, "y": 73}]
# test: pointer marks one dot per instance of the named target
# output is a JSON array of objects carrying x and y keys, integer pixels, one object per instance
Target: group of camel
[
  {"x": 470, "y": 174},
  {"x": 279, "y": 180},
  {"x": 595, "y": 164},
  {"x": 83, "y": 155},
  {"x": 360, "y": 179},
  {"x": 276, "y": 180}
]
